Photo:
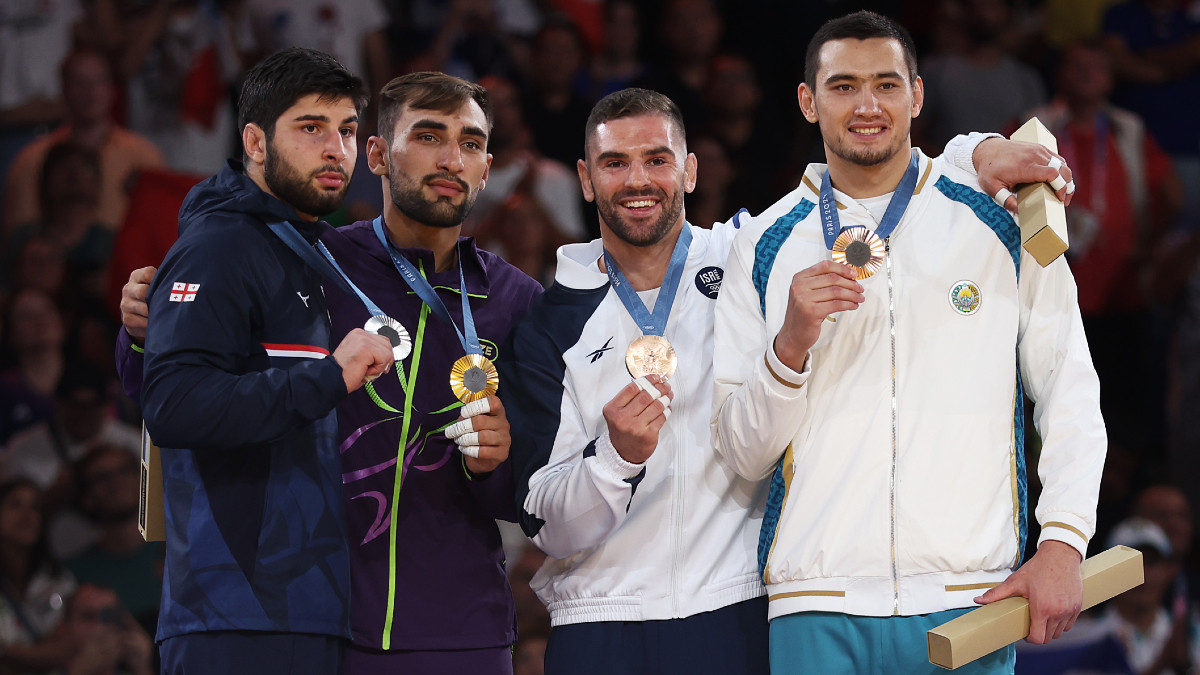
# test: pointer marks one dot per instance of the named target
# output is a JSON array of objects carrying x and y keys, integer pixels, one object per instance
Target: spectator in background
[
  {"x": 33, "y": 350},
  {"x": 1156, "y": 639},
  {"x": 981, "y": 88},
  {"x": 553, "y": 111},
  {"x": 1155, "y": 50},
  {"x": 33, "y": 586},
  {"x": 710, "y": 203},
  {"x": 742, "y": 124},
  {"x": 88, "y": 91},
  {"x": 691, "y": 31},
  {"x": 468, "y": 44},
  {"x": 104, "y": 638},
  {"x": 119, "y": 558},
  {"x": 1127, "y": 193},
  {"x": 532, "y": 204},
  {"x": 69, "y": 196},
  {"x": 617, "y": 64},
  {"x": 46, "y": 452},
  {"x": 351, "y": 31},
  {"x": 181, "y": 60},
  {"x": 1166, "y": 505}
]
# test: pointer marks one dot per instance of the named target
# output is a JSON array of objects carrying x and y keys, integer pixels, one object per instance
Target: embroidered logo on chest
[{"x": 965, "y": 297}]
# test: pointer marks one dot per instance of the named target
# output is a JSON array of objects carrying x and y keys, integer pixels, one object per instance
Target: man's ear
[
  {"x": 377, "y": 156},
  {"x": 808, "y": 106},
  {"x": 918, "y": 97},
  {"x": 254, "y": 143},
  {"x": 690, "y": 167},
  {"x": 585, "y": 180}
]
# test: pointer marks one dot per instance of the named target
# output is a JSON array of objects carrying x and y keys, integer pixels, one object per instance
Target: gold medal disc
[
  {"x": 651, "y": 354},
  {"x": 860, "y": 248},
  {"x": 473, "y": 377},
  {"x": 394, "y": 331}
]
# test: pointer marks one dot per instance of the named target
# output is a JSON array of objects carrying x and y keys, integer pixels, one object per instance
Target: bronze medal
[
  {"x": 651, "y": 354},
  {"x": 473, "y": 377},
  {"x": 860, "y": 248}
]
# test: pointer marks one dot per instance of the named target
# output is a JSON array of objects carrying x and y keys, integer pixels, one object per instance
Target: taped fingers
[
  {"x": 468, "y": 439},
  {"x": 1002, "y": 196},
  {"x": 469, "y": 450},
  {"x": 1058, "y": 183},
  {"x": 481, "y": 407},
  {"x": 460, "y": 427},
  {"x": 1055, "y": 163}
]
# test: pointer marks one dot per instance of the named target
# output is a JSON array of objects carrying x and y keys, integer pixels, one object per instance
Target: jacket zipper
[
  {"x": 679, "y": 515},
  {"x": 887, "y": 254}
]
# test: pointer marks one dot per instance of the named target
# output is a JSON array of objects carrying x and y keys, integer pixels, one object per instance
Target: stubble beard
[
  {"x": 407, "y": 196},
  {"x": 610, "y": 213}
]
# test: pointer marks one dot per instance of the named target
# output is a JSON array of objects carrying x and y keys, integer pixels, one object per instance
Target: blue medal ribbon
[
  {"x": 895, "y": 210},
  {"x": 299, "y": 245},
  {"x": 421, "y": 286},
  {"x": 652, "y": 323}
]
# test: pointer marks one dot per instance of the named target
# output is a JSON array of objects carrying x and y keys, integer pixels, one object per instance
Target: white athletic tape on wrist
[
  {"x": 469, "y": 450},
  {"x": 470, "y": 438},
  {"x": 1058, "y": 183},
  {"x": 1002, "y": 196},
  {"x": 459, "y": 428},
  {"x": 481, "y": 407},
  {"x": 1055, "y": 163}
]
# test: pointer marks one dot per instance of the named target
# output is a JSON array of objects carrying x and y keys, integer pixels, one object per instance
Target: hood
[{"x": 231, "y": 191}]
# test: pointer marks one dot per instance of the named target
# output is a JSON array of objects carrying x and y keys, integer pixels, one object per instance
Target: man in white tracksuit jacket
[
  {"x": 651, "y": 537},
  {"x": 888, "y": 411}
]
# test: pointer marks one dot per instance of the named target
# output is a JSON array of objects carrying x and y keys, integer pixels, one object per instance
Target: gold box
[
  {"x": 991, "y": 627},
  {"x": 1043, "y": 217},
  {"x": 151, "y": 518}
]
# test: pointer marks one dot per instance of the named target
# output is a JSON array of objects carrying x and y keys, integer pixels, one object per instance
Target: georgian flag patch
[{"x": 182, "y": 291}]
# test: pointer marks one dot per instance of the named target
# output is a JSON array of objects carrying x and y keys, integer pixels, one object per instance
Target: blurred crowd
[{"x": 110, "y": 110}]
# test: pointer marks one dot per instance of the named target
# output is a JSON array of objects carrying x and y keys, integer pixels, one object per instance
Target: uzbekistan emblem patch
[{"x": 965, "y": 297}]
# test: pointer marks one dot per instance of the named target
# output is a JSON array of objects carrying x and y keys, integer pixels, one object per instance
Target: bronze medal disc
[
  {"x": 860, "y": 248},
  {"x": 473, "y": 377},
  {"x": 394, "y": 331},
  {"x": 651, "y": 354}
]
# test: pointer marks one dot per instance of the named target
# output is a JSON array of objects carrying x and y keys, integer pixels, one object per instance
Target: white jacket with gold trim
[{"x": 897, "y": 457}]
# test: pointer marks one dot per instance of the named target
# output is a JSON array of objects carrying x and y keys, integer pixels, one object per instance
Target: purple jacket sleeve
[
  {"x": 494, "y": 492},
  {"x": 130, "y": 362}
]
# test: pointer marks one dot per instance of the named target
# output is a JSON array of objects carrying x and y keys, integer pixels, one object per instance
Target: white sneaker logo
[{"x": 303, "y": 297}]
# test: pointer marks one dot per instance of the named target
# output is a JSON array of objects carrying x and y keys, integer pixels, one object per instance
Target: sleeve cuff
[
  {"x": 961, "y": 150},
  {"x": 611, "y": 460},
  {"x": 782, "y": 379},
  {"x": 1067, "y": 528}
]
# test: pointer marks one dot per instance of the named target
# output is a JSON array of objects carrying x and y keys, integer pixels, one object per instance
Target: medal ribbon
[
  {"x": 421, "y": 286},
  {"x": 891, "y": 217},
  {"x": 299, "y": 245},
  {"x": 652, "y": 323}
]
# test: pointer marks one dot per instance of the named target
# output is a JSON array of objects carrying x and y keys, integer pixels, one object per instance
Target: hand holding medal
[
  {"x": 481, "y": 434},
  {"x": 636, "y": 415}
]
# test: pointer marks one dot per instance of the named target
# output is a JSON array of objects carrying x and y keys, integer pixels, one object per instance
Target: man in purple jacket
[{"x": 429, "y": 593}]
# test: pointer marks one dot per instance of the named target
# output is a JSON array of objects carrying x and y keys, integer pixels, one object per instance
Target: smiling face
[
  {"x": 309, "y": 160},
  {"x": 863, "y": 101},
  {"x": 436, "y": 164},
  {"x": 637, "y": 171}
]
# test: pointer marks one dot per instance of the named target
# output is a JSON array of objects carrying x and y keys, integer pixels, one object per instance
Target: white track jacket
[{"x": 896, "y": 456}]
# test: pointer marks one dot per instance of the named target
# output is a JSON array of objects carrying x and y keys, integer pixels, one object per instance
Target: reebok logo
[
  {"x": 600, "y": 352},
  {"x": 303, "y": 297}
]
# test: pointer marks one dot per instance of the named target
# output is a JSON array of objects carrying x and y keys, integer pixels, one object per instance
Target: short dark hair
[
  {"x": 275, "y": 84},
  {"x": 629, "y": 103},
  {"x": 860, "y": 25},
  {"x": 428, "y": 90},
  {"x": 61, "y": 153}
]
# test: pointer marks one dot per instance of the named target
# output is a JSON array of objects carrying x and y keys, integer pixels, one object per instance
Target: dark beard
[
  {"x": 610, "y": 213},
  {"x": 441, "y": 212},
  {"x": 294, "y": 189}
]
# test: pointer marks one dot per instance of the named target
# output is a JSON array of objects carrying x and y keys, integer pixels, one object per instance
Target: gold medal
[
  {"x": 473, "y": 377},
  {"x": 651, "y": 354},
  {"x": 395, "y": 333},
  {"x": 860, "y": 248}
]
